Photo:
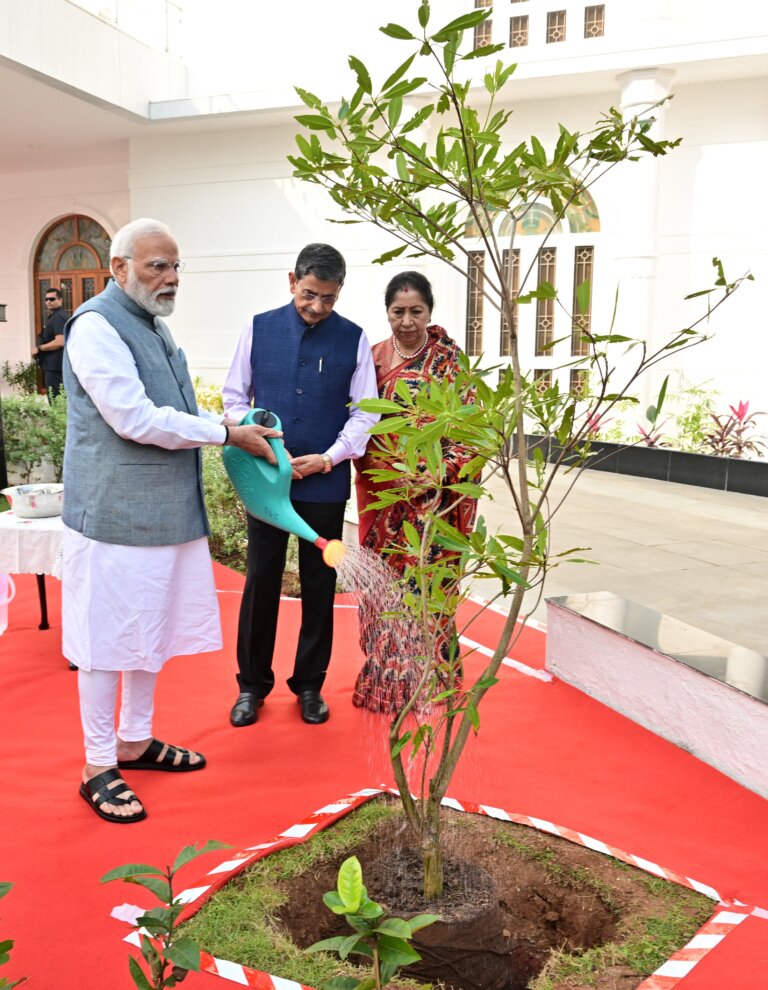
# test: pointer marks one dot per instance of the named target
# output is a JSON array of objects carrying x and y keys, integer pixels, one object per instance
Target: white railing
[{"x": 156, "y": 23}]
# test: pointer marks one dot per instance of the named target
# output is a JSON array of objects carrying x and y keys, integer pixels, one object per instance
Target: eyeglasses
[
  {"x": 51, "y": 298},
  {"x": 161, "y": 267},
  {"x": 308, "y": 296}
]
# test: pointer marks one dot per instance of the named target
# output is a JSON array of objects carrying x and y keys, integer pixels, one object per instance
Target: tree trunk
[{"x": 432, "y": 852}]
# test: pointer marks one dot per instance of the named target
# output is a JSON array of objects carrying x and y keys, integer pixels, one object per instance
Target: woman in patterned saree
[{"x": 416, "y": 353}]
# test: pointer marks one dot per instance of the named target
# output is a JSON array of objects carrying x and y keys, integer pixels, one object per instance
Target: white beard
[{"x": 145, "y": 298}]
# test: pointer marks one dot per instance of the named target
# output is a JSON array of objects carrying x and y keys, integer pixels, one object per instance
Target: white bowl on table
[{"x": 35, "y": 501}]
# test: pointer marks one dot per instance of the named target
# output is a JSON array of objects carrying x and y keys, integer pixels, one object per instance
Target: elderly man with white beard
[{"x": 137, "y": 578}]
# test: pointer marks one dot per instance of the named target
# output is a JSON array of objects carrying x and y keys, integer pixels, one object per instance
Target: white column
[{"x": 638, "y": 221}]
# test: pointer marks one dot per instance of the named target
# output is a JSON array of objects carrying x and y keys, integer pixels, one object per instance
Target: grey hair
[
  {"x": 124, "y": 240},
  {"x": 322, "y": 261}
]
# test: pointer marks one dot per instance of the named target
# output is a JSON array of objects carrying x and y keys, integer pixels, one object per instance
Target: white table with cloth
[{"x": 32, "y": 546}]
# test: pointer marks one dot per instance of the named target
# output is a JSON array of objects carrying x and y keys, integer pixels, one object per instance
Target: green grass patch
[{"x": 240, "y": 923}]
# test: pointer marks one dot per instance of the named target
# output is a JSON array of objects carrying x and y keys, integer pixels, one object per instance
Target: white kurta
[{"x": 126, "y": 607}]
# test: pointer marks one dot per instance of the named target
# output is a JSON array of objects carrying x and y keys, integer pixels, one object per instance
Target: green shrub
[
  {"x": 34, "y": 431},
  {"x": 226, "y": 513},
  {"x": 22, "y": 376}
]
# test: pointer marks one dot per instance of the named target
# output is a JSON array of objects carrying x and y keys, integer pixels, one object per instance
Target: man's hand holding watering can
[{"x": 253, "y": 439}]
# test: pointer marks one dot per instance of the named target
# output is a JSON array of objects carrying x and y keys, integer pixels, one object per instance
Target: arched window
[{"x": 73, "y": 256}]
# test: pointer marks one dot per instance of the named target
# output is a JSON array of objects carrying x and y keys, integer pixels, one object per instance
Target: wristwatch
[{"x": 327, "y": 463}]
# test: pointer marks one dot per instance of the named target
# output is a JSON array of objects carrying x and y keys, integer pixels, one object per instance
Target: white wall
[
  {"x": 28, "y": 205},
  {"x": 241, "y": 220},
  {"x": 80, "y": 50}
]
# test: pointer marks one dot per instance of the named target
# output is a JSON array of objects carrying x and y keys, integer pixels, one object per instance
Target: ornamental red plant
[{"x": 732, "y": 437}]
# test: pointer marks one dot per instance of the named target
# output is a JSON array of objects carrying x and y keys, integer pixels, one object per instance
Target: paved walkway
[{"x": 694, "y": 553}]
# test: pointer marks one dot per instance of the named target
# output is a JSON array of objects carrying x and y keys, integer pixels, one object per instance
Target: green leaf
[
  {"x": 396, "y": 31},
  {"x": 396, "y": 951},
  {"x": 345, "y": 982},
  {"x": 394, "y": 111},
  {"x": 327, "y": 944},
  {"x": 307, "y": 98},
  {"x": 4, "y": 887},
  {"x": 388, "y": 256},
  {"x": 382, "y": 406},
  {"x": 461, "y": 24},
  {"x": 315, "y": 122},
  {"x": 188, "y": 853},
  {"x": 350, "y": 883},
  {"x": 395, "y": 927},
  {"x": 400, "y": 743},
  {"x": 131, "y": 870},
  {"x": 184, "y": 953},
  {"x": 363, "y": 76},
  {"x": 397, "y": 74},
  {"x": 352, "y": 943},
  {"x": 137, "y": 974},
  {"x": 483, "y": 51},
  {"x": 421, "y": 921},
  {"x": 159, "y": 886},
  {"x": 423, "y": 13},
  {"x": 583, "y": 295}
]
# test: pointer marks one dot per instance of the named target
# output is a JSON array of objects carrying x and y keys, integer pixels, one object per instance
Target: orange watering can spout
[{"x": 333, "y": 551}]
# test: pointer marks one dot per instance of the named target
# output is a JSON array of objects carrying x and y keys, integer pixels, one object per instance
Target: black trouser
[
  {"x": 261, "y": 601},
  {"x": 54, "y": 382}
]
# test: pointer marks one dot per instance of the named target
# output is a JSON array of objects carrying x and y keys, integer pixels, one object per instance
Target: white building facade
[{"x": 106, "y": 126}]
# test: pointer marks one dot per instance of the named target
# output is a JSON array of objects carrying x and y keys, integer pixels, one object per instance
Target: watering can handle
[
  {"x": 264, "y": 417},
  {"x": 11, "y": 591}
]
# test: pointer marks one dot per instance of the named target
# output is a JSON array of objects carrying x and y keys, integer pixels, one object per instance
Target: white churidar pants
[{"x": 98, "y": 698}]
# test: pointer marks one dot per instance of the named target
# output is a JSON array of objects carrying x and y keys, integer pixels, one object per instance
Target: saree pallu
[{"x": 389, "y": 676}]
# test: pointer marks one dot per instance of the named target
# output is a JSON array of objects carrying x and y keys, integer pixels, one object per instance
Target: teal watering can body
[{"x": 264, "y": 488}]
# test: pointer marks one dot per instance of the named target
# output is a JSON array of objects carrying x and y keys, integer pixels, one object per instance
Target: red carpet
[{"x": 544, "y": 750}]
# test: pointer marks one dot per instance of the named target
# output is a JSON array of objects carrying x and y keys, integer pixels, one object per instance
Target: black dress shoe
[
  {"x": 245, "y": 710},
  {"x": 313, "y": 709}
]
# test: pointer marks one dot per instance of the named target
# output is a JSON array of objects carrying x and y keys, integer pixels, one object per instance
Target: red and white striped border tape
[{"x": 728, "y": 916}]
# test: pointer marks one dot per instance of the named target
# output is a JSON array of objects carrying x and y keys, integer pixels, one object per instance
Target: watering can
[
  {"x": 264, "y": 488},
  {"x": 7, "y": 591}
]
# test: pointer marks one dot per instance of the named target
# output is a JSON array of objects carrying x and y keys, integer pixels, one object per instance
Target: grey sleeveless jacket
[{"x": 120, "y": 491}]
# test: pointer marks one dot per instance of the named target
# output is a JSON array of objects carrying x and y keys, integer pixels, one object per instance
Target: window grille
[
  {"x": 511, "y": 279},
  {"x": 542, "y": 378},
  {"x": 594, "y": 21},
  {"x": 518, "y": 32},
  {"x": 484, "y": 31},
  {"x": 545, "y": 308},
  {"x": 579, "y": 383},
  {"x": 583, "y": 265},
  {"x": 474, "y": 328},
  {"x": 555, "y": 26}
]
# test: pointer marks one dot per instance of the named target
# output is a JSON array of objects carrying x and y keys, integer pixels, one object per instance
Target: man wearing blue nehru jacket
[{"x": 305, "y": 363}]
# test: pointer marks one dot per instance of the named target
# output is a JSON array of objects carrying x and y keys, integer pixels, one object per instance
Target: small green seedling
[
  {"x": 168, "y": 957},
  {"x": 5, "y": 948},
  {"x": 382, "y": 939}
]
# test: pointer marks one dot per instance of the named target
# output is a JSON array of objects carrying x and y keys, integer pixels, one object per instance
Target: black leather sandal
[
  {"x": 97, "y": 792},
  {"x": 163, "y": 756}
]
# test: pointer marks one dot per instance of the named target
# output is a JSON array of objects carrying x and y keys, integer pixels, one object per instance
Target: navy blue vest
[{"x": 303, "y": 374}]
